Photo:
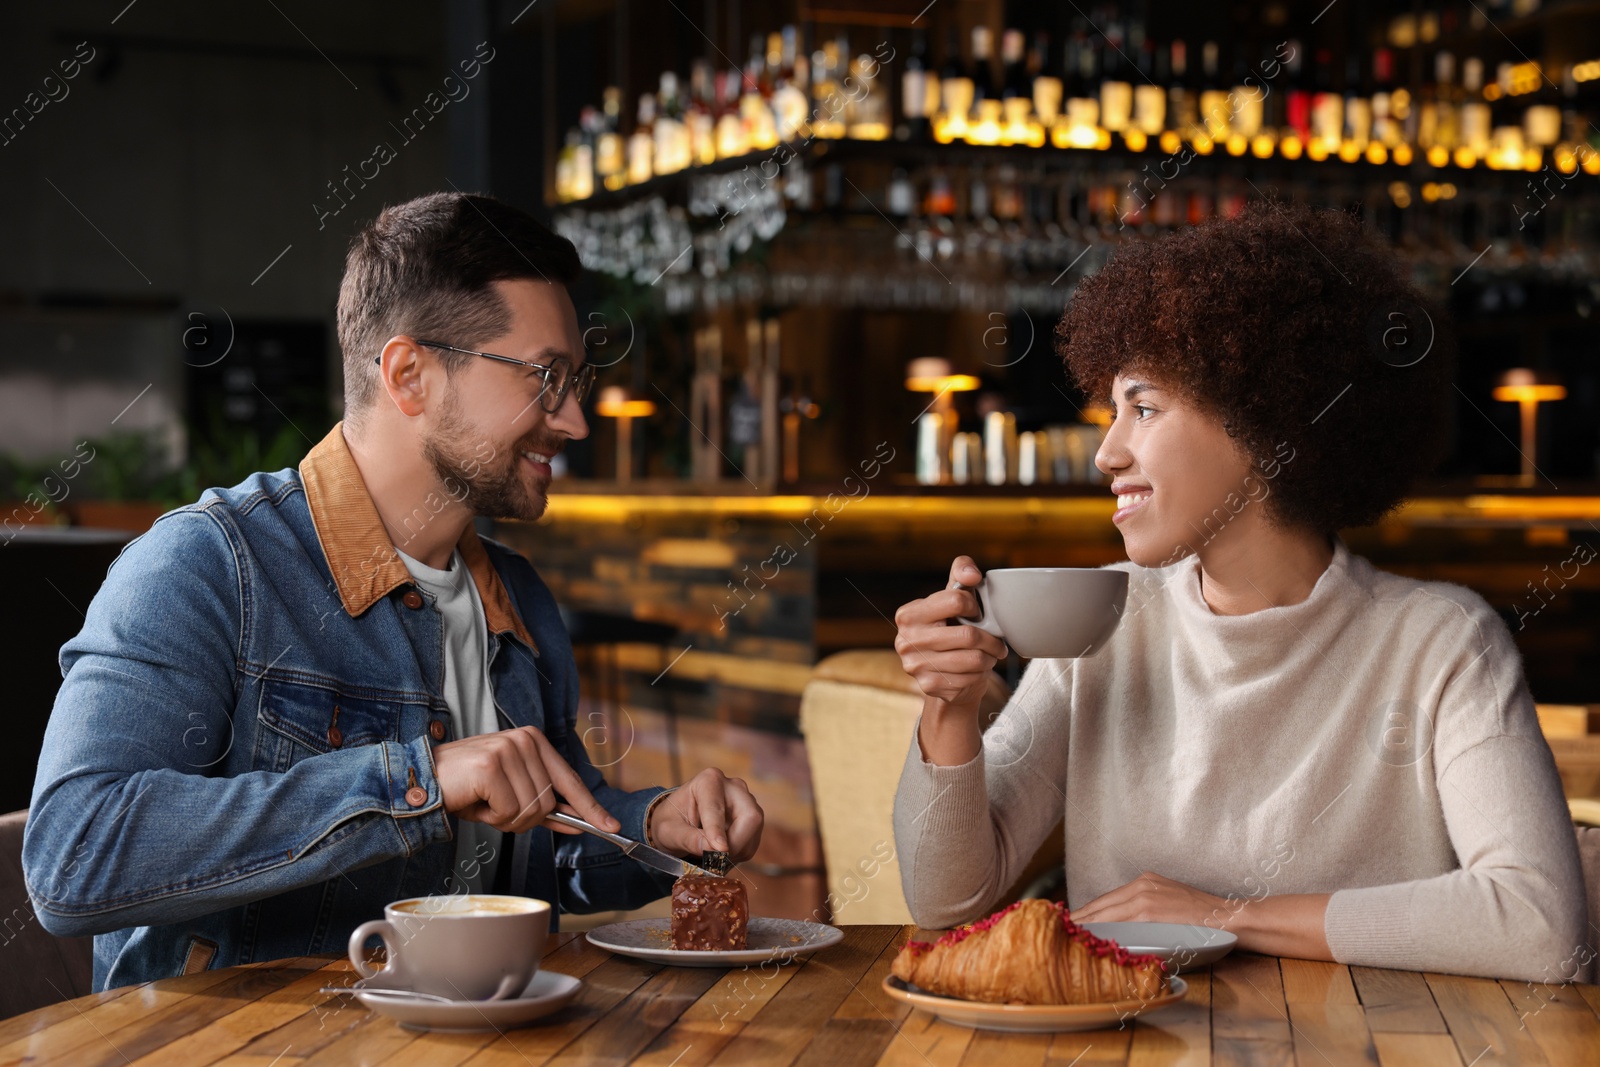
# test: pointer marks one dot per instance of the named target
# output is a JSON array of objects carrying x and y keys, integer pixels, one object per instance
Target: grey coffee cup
[
  {"x": 465, "y": 947},
  {"x": 1051, "y": 612}
]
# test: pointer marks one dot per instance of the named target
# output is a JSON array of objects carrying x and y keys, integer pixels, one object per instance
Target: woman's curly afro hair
[{"x": 1292, "y": 326}]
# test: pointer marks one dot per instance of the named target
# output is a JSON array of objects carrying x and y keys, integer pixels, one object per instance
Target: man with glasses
[{"x": 319, "y": 691}]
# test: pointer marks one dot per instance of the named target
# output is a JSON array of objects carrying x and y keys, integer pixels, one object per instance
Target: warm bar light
[
  {"x": 1528, "y": 389},
  {"x": 931, "y": 374},
  {"x": 615, "y": 402}
]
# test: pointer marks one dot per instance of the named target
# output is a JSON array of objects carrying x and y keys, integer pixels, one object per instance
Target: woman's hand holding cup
[{"x": 950, "y": 662}]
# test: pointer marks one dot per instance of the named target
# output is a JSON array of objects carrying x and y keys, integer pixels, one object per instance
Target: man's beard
[{"x": 487, "y": 483}]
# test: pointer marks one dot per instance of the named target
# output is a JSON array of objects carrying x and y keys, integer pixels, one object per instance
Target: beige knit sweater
[{"x": 1376, "y": 741}]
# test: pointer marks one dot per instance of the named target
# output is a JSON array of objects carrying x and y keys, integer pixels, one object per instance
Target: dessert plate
[
  {"x": 1033, "y": 1018},
  {"x": 1182, "y": 946},
  {"x": 546, "y": 993},
  {"x": 768, "y": 939}
]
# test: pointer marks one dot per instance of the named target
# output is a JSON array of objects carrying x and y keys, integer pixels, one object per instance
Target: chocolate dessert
[{"x": 709, "y": 914}]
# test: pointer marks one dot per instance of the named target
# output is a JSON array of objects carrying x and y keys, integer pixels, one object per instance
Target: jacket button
[
  {"x": 412, "y": 599},
  {"x": 335, "y": 736},
  {"x": 436, "y": 729},
  {"x": 416, "y": 796}
]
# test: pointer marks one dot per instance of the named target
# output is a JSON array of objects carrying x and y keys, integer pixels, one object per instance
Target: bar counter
[{"x": 747, "y": 591}]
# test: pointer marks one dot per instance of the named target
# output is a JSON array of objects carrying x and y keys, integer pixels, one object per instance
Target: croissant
[{"x": 1029, "y": 953}]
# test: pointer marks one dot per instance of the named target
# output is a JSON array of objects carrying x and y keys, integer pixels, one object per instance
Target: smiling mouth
[{"x": 1128, "y": 503}]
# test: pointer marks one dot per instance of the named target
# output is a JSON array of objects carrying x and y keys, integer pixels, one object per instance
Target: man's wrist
[{"x": 649, "y": 815}]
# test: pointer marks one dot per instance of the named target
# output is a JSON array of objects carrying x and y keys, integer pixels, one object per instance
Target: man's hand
[
  {"x": 511, "y": 780},
  {"x": 709, "y": 812}
]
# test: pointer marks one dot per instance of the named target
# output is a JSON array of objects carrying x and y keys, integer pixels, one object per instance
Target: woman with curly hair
[{"x": 1279, "y": 739}]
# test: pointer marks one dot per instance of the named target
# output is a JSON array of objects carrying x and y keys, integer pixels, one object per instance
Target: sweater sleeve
[
  {"x": 1515, "y": 905},
  {"x": 966, "y": 833}
]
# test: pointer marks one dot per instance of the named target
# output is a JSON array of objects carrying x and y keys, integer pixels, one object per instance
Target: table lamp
[
  {"x": 616, "y": 402},
  {"x": 1529, "y": 388}
]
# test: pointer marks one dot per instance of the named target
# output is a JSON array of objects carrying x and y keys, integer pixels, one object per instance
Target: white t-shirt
[{"x": 471, "y": 700}]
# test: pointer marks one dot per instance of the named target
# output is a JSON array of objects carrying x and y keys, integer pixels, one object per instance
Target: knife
[{"x": 650, "y": 857}]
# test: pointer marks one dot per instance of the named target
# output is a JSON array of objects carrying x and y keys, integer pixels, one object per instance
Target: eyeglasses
[{"x": 559, "y": 375}]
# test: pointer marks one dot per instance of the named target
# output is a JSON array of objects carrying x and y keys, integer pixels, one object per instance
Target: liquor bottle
[
  {"x": 1447, "y": 123},
  {"x": 867, "y": 112},
  {"x": 731, "y": 137},
  {"x": 1247, "y": 103},
  {"x": 1327, "y": 110},
  {"x": 1006, "y": 195},
  {"x": 700, "y": 116},
  {"x": 1116, "y": 93},
  {"x": 671, "y": 135},
  {"x": 1216, "y": 114},
  {"x": 1275, "y": 108},
  {"x": 1386, "y": 129},
  {"x": 1357, "y": 129},
  {"x": 1082, "y": 126},
  {"x": 1298, "y": 96},
  {"x": 755, "y": 108},
  {"x": 790, "y": 102},
  {"x": 941, "y": 198},
  {"x": 565, "y": 162},
  {"x": 978, "y": 205},
  {"x": 1149, "y": 91},
  {"x": 1047, "y": 84},
  {"x": 1183, "y": 107},
  {"x": 641, "y": 143},
  {"x": 914, "y": 94},
  {"x": 983, "y": 121},
  {"x": 583, "y": 158},
  {"x": 829, "y": 93},
  {"x": 901, "y": 200},
  {"x": 1475, "y": 121},
  {"x": 772, "y": 72},
  {"x": 955, "y": 93},
  {"x": 1016, "y": 89},
  {"x": 982, "y": 70},
  {"x": 1541, "y": 121},
  {"x": 610, "y": 161}
]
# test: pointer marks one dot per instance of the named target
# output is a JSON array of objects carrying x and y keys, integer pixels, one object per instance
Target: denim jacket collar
[{"x": 363, "y": 562}]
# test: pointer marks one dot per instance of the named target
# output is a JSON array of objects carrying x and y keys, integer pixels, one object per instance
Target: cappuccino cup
[
  {"x": 1051, "y": 612},
  {"x": 474, "y": 946}
]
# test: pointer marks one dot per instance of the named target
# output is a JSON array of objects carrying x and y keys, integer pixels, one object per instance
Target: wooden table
[{"x": 829, "y": 1010}]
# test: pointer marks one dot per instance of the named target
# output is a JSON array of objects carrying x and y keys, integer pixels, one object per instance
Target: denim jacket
[{"x": 239, "y": 764}]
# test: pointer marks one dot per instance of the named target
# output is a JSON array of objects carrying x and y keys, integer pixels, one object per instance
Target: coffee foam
[{"x": 474, "y": 904}]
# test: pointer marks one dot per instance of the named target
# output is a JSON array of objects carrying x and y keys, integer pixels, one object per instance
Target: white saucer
[
  {"x": 548, "y": 992},
  {"x": 1032, "y": 1018},
  {"x": 768, "y": 939},
  {"x": 1182, "y": 946}
]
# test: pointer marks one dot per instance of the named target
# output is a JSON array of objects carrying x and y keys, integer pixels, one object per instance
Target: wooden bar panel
[
  {"x": 828, "y": 1010},
  {"x": 1317, "y": 982},
  {"x": 1415, "y": 1050},
  {"x": 1561, "y": 1021},
  {"x": 632, "y": 1025},
  {"x": 1247, "y": 999},
  {"x": 1482, "y": 1022},
  {"x": 1397, "y": 1001},
  {"x": 1331, "y": 1032},
  {"x": 1181, "y": 1034},
  {"x": 924, "y": 1041},
  {"x": 237, "y": 1029},
  {"x": 782, "y": 1027},
  {"x": 604, "y": 988}
]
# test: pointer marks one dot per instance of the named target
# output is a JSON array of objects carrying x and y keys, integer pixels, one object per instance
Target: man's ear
[{"x": 401, "y": 373}]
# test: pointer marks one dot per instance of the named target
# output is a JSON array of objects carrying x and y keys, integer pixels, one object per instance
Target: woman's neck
[{"x": 1261, "y": 565}]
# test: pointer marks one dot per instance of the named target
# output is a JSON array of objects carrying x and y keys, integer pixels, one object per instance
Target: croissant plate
[{"x": 1029, "y": 953}]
